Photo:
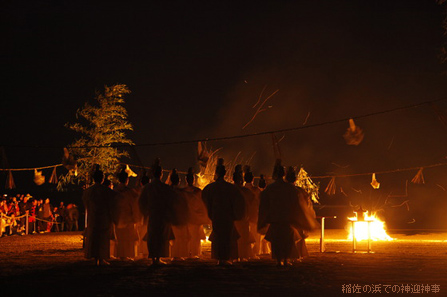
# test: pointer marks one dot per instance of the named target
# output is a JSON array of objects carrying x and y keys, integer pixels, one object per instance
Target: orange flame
[{"x": 376, "y": 229}]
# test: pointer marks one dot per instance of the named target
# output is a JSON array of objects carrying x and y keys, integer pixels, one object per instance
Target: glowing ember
[{"x": 377, "y": 228}]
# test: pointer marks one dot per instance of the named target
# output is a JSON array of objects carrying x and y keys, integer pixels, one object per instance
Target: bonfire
[{"x": 367, "y": 227}]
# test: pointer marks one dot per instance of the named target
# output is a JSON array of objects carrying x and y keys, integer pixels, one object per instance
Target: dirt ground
[{"x": 52, "y": 264}]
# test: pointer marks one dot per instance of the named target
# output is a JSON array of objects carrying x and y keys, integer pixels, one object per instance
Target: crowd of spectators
[{"x": 42, "y": 216}]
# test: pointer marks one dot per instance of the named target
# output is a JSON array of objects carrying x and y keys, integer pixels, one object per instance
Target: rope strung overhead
[
  {"x": 27, "y": 169},
  {"x": 245, "y": 135},
  {"x": 330, "y": 189},
  {"x": 380, "y": 172},
  {"x": 313, "y": 177}
]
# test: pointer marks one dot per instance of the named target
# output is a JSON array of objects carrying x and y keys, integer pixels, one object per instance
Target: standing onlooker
[
  {"x": 13, "y": 212},
  {"x": 48, "y": 215},
  {"x": 72, "y": 217},
  {"x": 41, "y": 227},
  {"x": 31, "y": 211},
  {"x": 3, "y": 211},
  {"x": 60, "y": 216},
  {"x": 24, "y": 206},
  {"x": 3, "y": 207},
  {"x": 13, "y": 207}
]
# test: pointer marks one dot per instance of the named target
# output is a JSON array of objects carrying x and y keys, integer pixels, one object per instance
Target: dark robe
[
  {"x": 126, "y": 216},
  {"x": 156, "y": 203},
  {"x": 98, "y": 201},
  {"x": 225, "y": 204},
  {"x": 198, "y": 216},
  {"x": 142, "y": 226},
  {"x": 253, "y": 218},
  {"x": 180, "y": 245},
  {"x": 309, "y": 213},
  {"x": 243, "y": 226},
  {"x": 284, "y": 212}
]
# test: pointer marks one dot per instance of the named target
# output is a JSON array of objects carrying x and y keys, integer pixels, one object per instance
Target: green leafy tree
[{"x": 103, "y": 128}]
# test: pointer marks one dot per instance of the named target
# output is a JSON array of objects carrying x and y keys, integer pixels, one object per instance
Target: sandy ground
[{"x": 52, "y": 264}]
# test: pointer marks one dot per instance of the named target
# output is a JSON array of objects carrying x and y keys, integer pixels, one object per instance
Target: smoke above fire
[
  {"x": 319, "y": 66},
  {"x": 310, "y": 91}
]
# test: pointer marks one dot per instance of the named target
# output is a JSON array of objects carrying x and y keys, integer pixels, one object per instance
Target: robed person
[
  {"x": 308, "y": 210},
  {"x": 127, "y": 215},
  {"x": 281, "y": 210},
  {"x": 198, "y": 215},
  {"x": 156, "y": 203},
  {"x": 179, "y": 248},
  {"x": 253, "y": 210},
  {"x": 142, "y": 224},
  {"x": 225, "y": 205},
  {"x": 98, "y": 201},
  {"x": 246, "y": 239},
  {"x": 265, "y": 244}
]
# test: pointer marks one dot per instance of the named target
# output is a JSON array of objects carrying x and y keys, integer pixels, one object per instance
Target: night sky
[{"x": 196, "y": 69}]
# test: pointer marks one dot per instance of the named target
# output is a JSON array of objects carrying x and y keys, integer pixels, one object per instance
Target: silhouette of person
[
  {"x": 225, "y": 204},
  {"x": 243, "y": 226},
  {"x": 98, "y": 202},
  {"x": 280, "y": 209},
  {"x": 303, "y": 234},
  {"x": 156, "y": 203},
  {"x": 253, "y": 210},
  {"x": 262, "y": 183},
  {"x": 198, "y": 215},
  {"x": 127, "y": 215},
  {"x": 179, "y": 249}
]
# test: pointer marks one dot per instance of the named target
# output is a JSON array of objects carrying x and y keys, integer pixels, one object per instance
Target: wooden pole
[{"x": 322, "y": 249}]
